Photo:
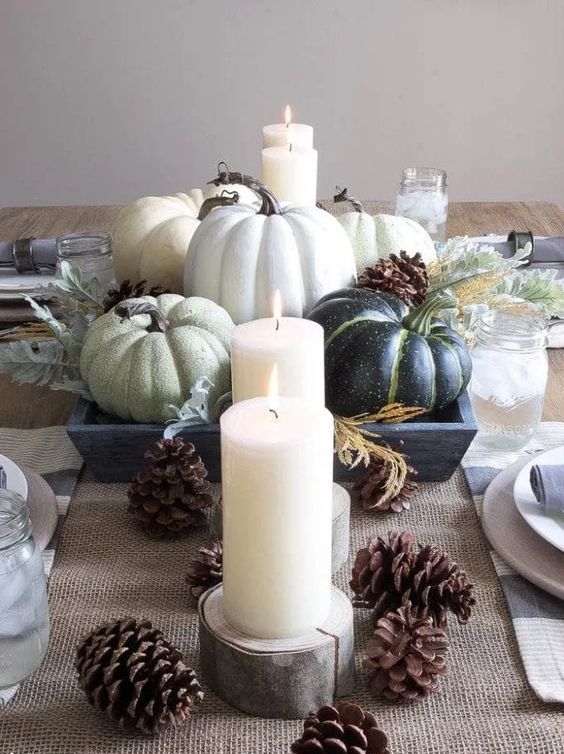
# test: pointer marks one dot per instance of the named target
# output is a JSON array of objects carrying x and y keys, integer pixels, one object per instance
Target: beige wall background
[{"x": 102, "y": 101}]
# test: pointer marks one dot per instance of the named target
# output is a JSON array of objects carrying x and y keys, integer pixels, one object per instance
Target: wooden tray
[{"x": 114, "y": 452}]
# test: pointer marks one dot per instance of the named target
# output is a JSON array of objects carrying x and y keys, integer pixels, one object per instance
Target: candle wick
[
  {"x": 277, "y": 325},
  {"x": 272, "y": 411},
  {"x": 290, "y": 146}
]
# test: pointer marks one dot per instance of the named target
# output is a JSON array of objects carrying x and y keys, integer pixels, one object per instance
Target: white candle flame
[
  {"x": 287, "y": 116},
  {"x": 273, "y": 391}
]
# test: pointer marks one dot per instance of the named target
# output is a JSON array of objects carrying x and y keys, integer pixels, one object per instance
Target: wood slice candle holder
[
  {"x": 277, "y": 678},
  {"x": 341, "y": 526}
]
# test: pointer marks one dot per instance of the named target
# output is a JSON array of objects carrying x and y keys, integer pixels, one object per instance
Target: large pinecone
[
  {"x": 133, "y": 674},
  {"x": 407, "y": 654},
  {"x": 171, "y": 495},
  {"x": 369, "y": 488},
  {"x": 206, "y": 568},
  {"x": 130, "y": 290},
  {"x": 344, "y": 729},
  {"x": 388, "y": 573},
  {"x": 405, "y": 277}
]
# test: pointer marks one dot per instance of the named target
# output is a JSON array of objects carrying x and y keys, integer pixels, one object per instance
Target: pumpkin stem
[
  {"x": 419, "y": 320},
  {"x": 128, "y": 309},
  {"x": 342, "y": 195},
  {"x": 269, "y": 206},
  {"x": 226, "y": 199}
]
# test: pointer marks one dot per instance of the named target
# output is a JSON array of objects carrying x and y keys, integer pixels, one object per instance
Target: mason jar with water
[
  {"x": 24, "y": 615},
  {"x": 509, "y": 375}
]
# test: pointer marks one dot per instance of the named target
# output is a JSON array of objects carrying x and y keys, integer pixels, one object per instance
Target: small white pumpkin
[
  {"x": 151, "y": 235},
  {"x": 148, "y": 353},
  {"x": 239, "y": 257},
  {"x": 375, "y": 237}
]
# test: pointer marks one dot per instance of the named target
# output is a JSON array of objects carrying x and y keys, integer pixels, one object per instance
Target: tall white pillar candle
[
  {"x": 282, "y": 134},
  {"x": 277, "y": 472},
  {"x": 291, "y": 173},
  {"x": 295, "y": 345}
]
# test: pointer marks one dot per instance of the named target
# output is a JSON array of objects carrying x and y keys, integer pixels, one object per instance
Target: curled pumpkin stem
[
  {"x": 225, "y": 199},
  {"x": 342, "y": 195},
  {"x": 225, "y": 176},
  {"x": 128, "y": 309}
]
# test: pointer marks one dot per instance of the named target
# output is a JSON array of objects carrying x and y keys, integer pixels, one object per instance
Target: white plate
[
  {"x": 15, "y": 479},
  {"x": 550, "y": 528}
]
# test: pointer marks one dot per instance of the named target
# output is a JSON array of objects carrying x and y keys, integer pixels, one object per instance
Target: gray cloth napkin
[
  {"x": 547, "y": 483},
  {"x": 547, "y": 250},
  {"x": 44, "y": 251}
]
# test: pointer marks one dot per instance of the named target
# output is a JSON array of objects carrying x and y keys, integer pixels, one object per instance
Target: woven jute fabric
[{"x": 106, "y": 568}]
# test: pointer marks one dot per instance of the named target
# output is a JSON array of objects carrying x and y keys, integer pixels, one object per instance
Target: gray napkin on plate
[
  {"x": 44, "y": 252},
  {"x": 547, "y": 250},
  {"x": 547, "y": 483}
]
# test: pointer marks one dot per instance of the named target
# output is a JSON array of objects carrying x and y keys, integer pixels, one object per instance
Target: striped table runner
[{"x": 538, "y": 617}]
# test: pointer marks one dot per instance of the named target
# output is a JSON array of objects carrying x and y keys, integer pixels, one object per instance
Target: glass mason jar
[
  {"x": 91, "y": 253},
  {"x": 509, "y": 374},
  {"x": 422, "y": 197},
  {"x": 24, "y": 615}
]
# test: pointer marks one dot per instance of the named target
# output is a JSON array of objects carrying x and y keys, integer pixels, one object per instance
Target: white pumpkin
[
  {"x": 151, "y": 235},
  {"x": 239, "y": 257},
  {"x": 375, "y": 237}
]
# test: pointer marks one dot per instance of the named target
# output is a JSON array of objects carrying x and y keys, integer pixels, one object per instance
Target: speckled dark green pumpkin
[{"x": 377, "y": 352}]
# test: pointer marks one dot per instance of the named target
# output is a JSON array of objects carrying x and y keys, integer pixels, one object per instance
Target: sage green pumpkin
[
  {"x": 147, "y": 354},
  {"x": 377, "y": 352}
]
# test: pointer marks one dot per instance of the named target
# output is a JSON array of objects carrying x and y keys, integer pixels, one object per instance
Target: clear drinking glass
[
  {"x": 24, "y": 615},
  {"x": 91, "y": 253},
  {"x": 423, "y": 197},
  {"x": 509, "y": 374}
]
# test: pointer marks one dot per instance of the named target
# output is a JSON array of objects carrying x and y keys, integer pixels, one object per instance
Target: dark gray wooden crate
[{"x": 114, "y": 452}]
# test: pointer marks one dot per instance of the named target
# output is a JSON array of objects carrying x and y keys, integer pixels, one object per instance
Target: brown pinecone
[
  {"x": 389, "y": 573},
  {"x": 344, "y": 729},
  {"x": 171, "y": 495},
  {"x": 206, "y": 568},
  {"x": 408, "y": 656},
  {"x": 133, "y": 674},
  {"x": 440, "y": 585},
  {"x": 404, "y": 276},
  {"x": 381, "y": 572},
  {"x": 130, "y": 290},
  {"x": 369, "y": 488}
]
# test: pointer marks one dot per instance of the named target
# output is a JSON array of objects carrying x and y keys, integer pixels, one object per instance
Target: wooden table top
[{"x": 28, "y": 406}]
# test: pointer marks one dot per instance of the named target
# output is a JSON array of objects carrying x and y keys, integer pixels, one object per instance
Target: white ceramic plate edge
[
  {"x": 15, "y": 478},
  {"x": 550, "y": 528}
]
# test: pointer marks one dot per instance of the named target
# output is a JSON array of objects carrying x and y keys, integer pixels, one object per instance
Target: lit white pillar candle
[
  {"x": 282, "y": 134},
  {"x": 295, "y": 345},
  {"x": 291, "y": 173},
  {"x": 277, "y": 473}
]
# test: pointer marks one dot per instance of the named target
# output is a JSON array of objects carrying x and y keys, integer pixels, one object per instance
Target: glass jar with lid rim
[
  {"x": 509, "y": 376},
  {"x": 24, "y": 614}
]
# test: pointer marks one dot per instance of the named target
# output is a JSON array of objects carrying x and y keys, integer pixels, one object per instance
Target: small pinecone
[
  {"x": 369, "y": 488},
  {"x": 171, "y": 495},
  {"x": 389, "y": 573},
  {"x": 133, "y": 674},
  {"x": 344, "y": 729},
  {"x": 408, "y": 656},
  {"x": 205, "y": 569},
  {"x": 381, "y": 572},
  {"x": 404, "y": 276},
  {"x": 129, "y": 290},
  {"x": 440, "y": 585}
]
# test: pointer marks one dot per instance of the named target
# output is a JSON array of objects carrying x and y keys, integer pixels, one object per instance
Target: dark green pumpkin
[{"x": 377, "y": 351}]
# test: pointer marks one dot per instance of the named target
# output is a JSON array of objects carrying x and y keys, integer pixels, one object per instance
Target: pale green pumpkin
[{"x": 147, "y": 354}]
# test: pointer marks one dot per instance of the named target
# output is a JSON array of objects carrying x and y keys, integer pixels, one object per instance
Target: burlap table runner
[{"x": 105, "y": 567}]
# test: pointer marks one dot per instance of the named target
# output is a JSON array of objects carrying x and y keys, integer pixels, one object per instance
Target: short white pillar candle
[
  {"x": 290, "y": 172},
  {"x": 295, "y": 345}
]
